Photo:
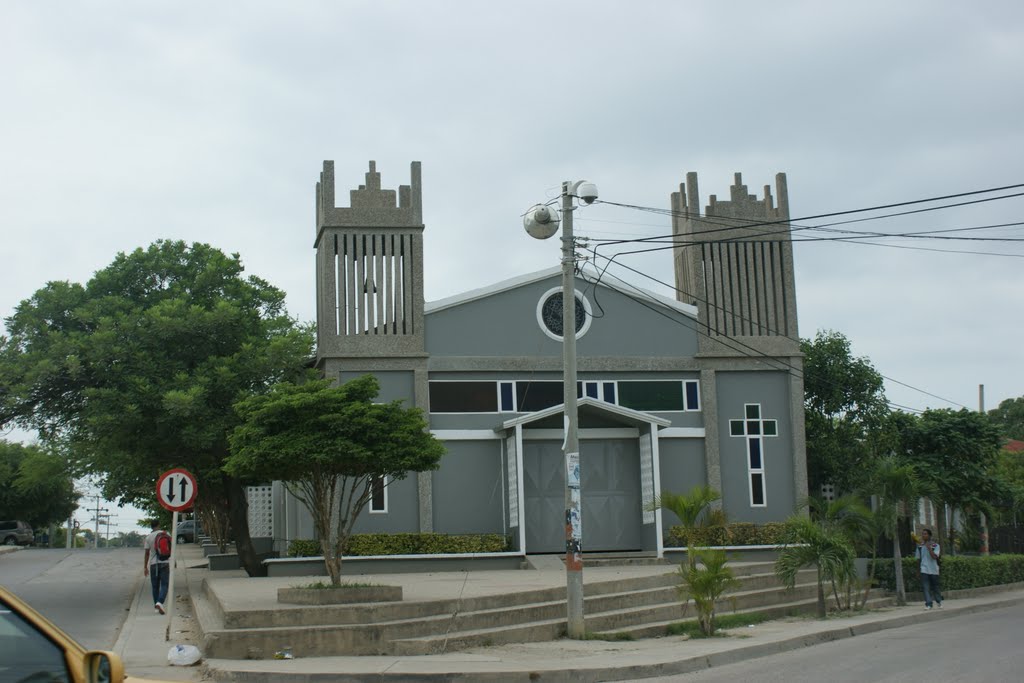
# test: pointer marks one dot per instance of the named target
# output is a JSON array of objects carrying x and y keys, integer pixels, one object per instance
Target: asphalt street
[
  {"x": 977, "y": 648},
  {"x": 85, "y": 592}
]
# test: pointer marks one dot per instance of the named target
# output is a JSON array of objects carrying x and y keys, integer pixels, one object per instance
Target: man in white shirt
[
  {"x": 158, "y": 571},
  {"x": 928, "y": 554}
]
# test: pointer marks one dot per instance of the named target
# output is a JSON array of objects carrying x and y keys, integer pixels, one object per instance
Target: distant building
[{"x": 704, "y": 388}]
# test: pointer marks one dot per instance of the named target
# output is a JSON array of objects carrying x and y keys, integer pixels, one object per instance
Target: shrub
[
  {"x": 957, "y": 571},
  {"x": 737, "y": 533},
  {"x": 407, "y": 544},
  {"x": 704, "y": 583}
]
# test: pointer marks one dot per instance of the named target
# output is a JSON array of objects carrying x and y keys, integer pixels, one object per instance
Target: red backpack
[{"x": 162, "y": 546}]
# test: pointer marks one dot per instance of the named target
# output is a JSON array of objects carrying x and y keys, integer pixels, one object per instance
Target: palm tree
[
  {"x": 810, "y": 544},
  {"x": 849, "y": 516},
  {"x": 694, "y": 511},
  {"x": 706, "y": 584},
  {"x": 895, "y": 481}
]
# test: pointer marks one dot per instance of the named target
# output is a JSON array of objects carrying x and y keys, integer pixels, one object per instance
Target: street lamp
[{"x": 541, "y": 222}]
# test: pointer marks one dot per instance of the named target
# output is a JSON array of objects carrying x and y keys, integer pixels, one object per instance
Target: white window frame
[{"x": 385, "y": 488}]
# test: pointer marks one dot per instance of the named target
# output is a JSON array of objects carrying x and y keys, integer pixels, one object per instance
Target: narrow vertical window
[
  {"x": 692, "y": 394},
  {"x": 378, "y": 495},
  {"x": 507, "y": 398}
]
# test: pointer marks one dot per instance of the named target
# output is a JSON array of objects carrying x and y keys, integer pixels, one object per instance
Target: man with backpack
[
  {"x": 928, "y": 554},
  {"x": 158, "y": 564}
]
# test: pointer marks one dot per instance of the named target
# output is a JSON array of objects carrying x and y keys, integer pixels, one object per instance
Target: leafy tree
[
  {"x": 894, "y": 480},
  {"x": 705, "y": 580},
  {"x": 35, "y": 485},
  {"x": 1009, "y": 470},
  {"x": 845, "y": 405},
  {"x": 330, "y": 444},
  {"x": 1009, "y": 418},
  {"x": 694, "y": 511},
  {"x": 954, "y": 453},
  {"x": 810, "y": 544},
  {"x": 137, "y": 370}
]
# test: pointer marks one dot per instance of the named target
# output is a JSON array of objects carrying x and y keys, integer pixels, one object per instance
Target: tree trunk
[
  {"x": 822, "y": 612},
  {"x": 940, "y": 523},
  {"x": 897, "y": 558},
  {"x": 871, "y": 574},
  {"x": 238, "y": 513}
]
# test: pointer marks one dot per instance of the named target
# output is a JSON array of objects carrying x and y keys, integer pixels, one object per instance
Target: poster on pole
[{"x": 572, "y": 467}]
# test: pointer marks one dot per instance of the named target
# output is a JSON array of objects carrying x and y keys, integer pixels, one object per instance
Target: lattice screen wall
[{"x": 261, "y": 511}]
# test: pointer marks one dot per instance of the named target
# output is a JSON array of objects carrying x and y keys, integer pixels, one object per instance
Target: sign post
[{"x": 176, "y": 491}]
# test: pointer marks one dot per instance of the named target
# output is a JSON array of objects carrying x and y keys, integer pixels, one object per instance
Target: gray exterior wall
[
  {"x": 402, "y": 514},
  {"x": 395, "y": 385},
  {"x": 469, "y": 489},
  {"x": 771, "y": 390},
  {"x": 682, "y": 468},
  {"x": 505, "y": 325}
]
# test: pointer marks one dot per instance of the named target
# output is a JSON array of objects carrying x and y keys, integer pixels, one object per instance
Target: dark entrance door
[{"x": 612, "y": 516}]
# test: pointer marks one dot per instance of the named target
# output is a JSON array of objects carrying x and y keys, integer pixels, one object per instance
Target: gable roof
[
  {"x": 625, "y": 414},
  {"x": 530, "y": 278}
]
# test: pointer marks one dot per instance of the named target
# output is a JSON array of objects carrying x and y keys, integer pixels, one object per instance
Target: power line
[
  {"x": 755, "y": 351},
  {"x": 753, "y": 224}
]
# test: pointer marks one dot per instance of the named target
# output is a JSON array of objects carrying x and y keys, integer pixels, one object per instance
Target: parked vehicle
[
  {"x": 34, "y": 649},
  {"x": 16, "y": 532},
  {"x": 188, "y": 531}
]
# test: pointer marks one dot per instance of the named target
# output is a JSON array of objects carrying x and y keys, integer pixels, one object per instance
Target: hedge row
[
  {"x": 956, "y": 571},
  {"x": 407, "y": 544},
  {"x": 737, "y": 533}
]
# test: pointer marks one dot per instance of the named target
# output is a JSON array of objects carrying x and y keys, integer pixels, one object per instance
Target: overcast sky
[{"x": 127, "y": 122}]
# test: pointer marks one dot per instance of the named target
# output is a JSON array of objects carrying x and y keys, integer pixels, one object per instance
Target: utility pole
[
  {"x": 573, "y": 494},
  {"x": 984, "y": 521},
  {"x": 541, "y": 222}
]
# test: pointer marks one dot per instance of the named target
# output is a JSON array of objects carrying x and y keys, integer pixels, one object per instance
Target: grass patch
[
  {"x": 613, "y": 637},
  {"x": 322, "y": 585},
  {"x": 725, "y": 621}
]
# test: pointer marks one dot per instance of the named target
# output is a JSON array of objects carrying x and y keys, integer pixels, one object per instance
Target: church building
[{"x": 705, "y": 387}]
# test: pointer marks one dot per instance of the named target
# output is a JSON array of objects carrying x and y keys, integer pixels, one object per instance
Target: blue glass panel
[
  {"x": 753, "y": 426},
  {"x": 757, "y": 489},
  {"x": 592, "y": 389},
  {"x": 507, "y": 402},
  {"x": 692, "y": 396},
  {"x": 609, "y": 392},
  {"x": 754, "y": 448}
]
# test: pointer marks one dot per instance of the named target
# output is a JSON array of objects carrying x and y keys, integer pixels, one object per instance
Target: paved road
[
  {"x": 979, "y": 648},
  {"x": 85, "y": 592}
]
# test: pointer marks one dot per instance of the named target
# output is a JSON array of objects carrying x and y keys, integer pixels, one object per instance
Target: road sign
[{"x": 176, "y": 490}]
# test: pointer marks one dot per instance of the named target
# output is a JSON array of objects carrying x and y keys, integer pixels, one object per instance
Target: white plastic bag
[{"x": 184, "y": 655}]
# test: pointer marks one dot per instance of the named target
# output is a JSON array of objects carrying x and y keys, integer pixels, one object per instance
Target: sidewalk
[
  {"x": 142, "y": 643},
  {"x": 144, "y": 649}
]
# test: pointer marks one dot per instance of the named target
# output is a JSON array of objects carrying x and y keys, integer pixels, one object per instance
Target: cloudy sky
[{"x": 127, "y": 122}]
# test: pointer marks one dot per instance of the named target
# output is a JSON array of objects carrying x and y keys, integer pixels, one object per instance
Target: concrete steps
[{"x": 637, "y": 605}]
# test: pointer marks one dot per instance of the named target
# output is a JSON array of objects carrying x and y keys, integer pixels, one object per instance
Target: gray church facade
[{"x": 673, "y": 392}]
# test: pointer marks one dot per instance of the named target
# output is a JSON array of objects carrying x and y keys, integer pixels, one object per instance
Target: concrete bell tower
[
  {"x": 734, "y": 261},
  {"x": 369, "y": 270}
]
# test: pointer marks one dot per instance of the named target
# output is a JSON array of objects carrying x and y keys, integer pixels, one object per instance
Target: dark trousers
[
  {"x": 930, "y": 583},
  {"x": 159, "y": 577}
]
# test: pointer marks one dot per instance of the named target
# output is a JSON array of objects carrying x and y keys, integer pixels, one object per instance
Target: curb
[{"x": 569, "y": 674}]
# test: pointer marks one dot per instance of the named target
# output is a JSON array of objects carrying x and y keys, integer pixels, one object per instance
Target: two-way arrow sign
[{"x": 176, "y": 489}]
